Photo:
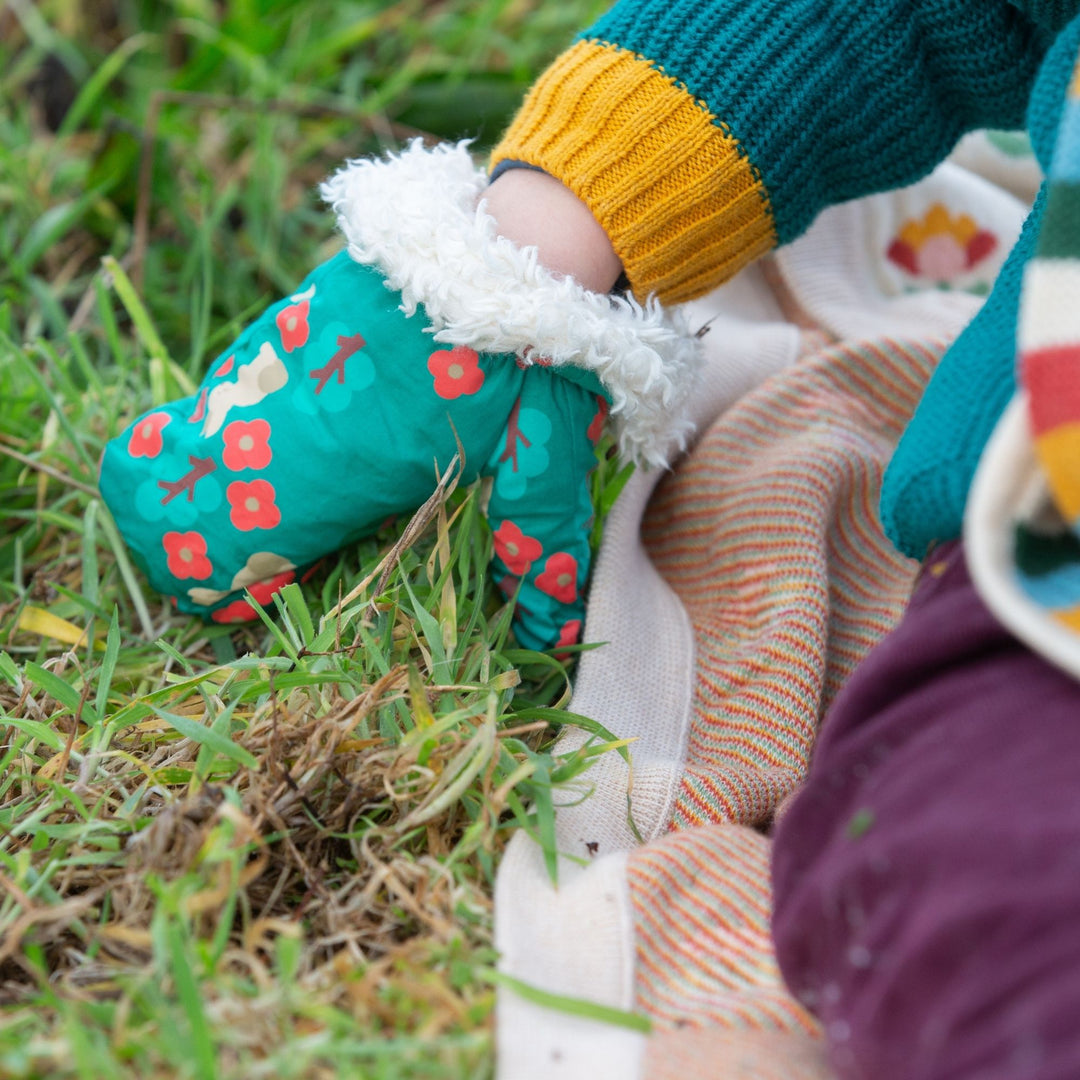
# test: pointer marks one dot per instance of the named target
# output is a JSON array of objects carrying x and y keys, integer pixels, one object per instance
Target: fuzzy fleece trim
[{"x": 418, "y": 217}]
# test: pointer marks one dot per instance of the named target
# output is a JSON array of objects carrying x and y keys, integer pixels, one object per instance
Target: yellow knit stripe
[
  {"x": 1059, "y": 451},
  {"x": 1069, "y": 617},
  {"x": 677, "y": 196}
]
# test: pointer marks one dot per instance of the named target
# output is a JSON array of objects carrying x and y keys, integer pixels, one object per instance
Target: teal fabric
[
  {"x": 926, "y": 484},
  {"x": 331, "y": 414},
  {"x": 1053, "y": 14},
  {"x": 833, "y": 99}
]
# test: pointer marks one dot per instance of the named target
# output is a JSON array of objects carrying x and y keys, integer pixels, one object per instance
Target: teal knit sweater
[{"x": 703, "y": 132}]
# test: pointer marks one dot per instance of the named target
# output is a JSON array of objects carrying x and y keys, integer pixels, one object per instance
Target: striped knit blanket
[{"x": 735, "y": 594}]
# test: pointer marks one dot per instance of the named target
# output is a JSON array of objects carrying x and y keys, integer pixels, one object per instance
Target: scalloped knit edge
[{"x": 419, "y": 218}]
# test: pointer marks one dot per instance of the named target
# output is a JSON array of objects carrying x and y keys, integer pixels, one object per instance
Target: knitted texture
[
  {"x": 776, "y": 581},
  {"x": 825, "y": 101},
  {"x": 782, "y": 567},
  {"x": 1049, "y": 329},
  {"x": 1048, "y": 337},
  {"x": 702, "y": 906},
  {"x": 831, "y": 100},
  {"x": 1053, "y": 14},
  {"x": 927, "y": 482},
  {"x": 677, "y": 195}
]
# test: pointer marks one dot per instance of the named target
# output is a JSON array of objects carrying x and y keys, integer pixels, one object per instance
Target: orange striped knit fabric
[{"x": 768, "y": 533}]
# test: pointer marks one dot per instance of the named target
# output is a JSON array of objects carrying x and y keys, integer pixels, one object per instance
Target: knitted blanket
[{"x": 734, "y": 594}]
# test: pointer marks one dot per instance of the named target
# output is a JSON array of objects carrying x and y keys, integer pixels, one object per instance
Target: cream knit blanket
[{"x": 734, "y": 595}]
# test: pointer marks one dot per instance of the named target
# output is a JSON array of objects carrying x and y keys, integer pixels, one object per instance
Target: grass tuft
[{"x": 265, "y": 851}]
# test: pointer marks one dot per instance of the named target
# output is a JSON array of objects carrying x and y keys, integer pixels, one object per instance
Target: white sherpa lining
[{"x": 419, "y": 218}]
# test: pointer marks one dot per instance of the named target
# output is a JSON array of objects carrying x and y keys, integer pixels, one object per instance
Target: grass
[{"x": 265, "y": 851}]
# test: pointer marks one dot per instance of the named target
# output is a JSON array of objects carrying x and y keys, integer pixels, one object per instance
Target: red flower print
[
  {"x": 516, "y": 550},
  {"x": 262, "y": 591},
  {"x": 292, "y": 323},
  {"x": 569, "y": 634},
  {"x": 508, "y": 585},
  {"x": 145, "y": 440},
  {"x": 225, "y": 367},
  {"x": 200, "y": 407},
  {"x": 237, "y": 611},
  {"x": 559, "y": 579},
  {"x": 252, "y": 505},
  {"x": 186, "y": 555},
  {"x": 596, "y": 427},
  {"x": 247, "y": 445},
  {"x": 457, "y": 372}
]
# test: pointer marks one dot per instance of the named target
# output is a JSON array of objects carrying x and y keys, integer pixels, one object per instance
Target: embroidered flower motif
[
  {"x": 516, "y": 550},
  {"x": 186, "y": 555},
  {"x": 559, "y": 579},
  {"x": 457, "y": 372},
  {"x": 252, "y": 506},
  {"x": 262, "y": 591},
  {"x": 247, "y": 445},
  {"x": 941, "y": 247},
  {"x": 596, "y": 426},
  {"x": 145, "y": 440},
  {"x": 292, "y": 321}
]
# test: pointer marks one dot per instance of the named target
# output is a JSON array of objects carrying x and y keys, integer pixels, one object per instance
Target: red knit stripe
[{"x": 1052, "y": 378}]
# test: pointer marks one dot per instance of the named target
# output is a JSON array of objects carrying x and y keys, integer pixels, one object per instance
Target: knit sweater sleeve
[{"x": 702, "y": 133}]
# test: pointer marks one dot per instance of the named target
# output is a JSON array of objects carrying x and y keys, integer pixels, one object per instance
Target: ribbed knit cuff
[{"x": 680, "y": 201}]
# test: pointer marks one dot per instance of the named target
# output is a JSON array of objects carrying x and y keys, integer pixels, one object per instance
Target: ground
[{"x": 265, "y": 850}]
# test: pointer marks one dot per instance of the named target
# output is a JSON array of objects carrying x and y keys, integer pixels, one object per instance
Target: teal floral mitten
[{"x": 335, "y": 410}]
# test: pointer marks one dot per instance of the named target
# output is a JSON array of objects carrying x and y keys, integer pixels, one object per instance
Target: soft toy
[{"x": 334, "y": 410}]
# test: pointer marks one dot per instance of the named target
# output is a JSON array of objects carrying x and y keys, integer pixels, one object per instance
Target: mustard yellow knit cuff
[{"x": 676, "y": 194}]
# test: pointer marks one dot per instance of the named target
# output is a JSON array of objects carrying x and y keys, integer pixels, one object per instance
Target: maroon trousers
[{"x": 927, "y": 878}]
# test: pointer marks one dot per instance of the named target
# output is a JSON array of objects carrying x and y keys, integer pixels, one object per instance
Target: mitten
[{"x": 334, "y": 411}]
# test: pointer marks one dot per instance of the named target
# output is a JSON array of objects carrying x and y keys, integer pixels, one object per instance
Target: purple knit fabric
[{"x": 927, "y": 878}]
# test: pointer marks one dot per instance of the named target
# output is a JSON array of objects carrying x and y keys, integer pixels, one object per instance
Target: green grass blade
[
  {"x": 207, "y": 736},
  {"x": 572, "y": 1006},
  {"x": 108, "y": 664}
]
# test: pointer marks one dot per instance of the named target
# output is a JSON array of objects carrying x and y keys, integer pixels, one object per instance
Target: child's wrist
[{"x": 533, "y": 209}]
